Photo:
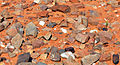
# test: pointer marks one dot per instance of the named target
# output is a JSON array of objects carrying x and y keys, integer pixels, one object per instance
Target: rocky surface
[{"x": 59, "y": 32}]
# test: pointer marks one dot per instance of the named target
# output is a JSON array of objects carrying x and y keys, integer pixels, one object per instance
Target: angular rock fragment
[
  {"x": 61, "y": 8},
  {"x": 48, "y": 36},
  {"x": 51, "y": 24},
  {"x": 90, "y": 59},
  {"x": 105, "y": 57},
  {"x": 102, "y": 63},
  {"x": 82, "y": 38},
  {"x": 37, "y": 43},
  {"x": 67, "y": 54},
  {"x": 55, "y": 56},
  {"x": 17, "y": 40},
  {"x": 43, "y": 56},
  {"x": 23, "y": 58},
  {"x": 31, "y": 29},
  {"x": 93, "y": 21}
]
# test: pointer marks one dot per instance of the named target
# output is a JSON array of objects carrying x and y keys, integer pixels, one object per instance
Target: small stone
[
  {"x": 35, "y": 55},
  {"x": 23, "y": 58},
  {"x": 63, "y": 30},
  {"x": 67, "y": 54},
  {"x": 12, "y": 31},
  {"x": 115, "y": 58},
  {"x": 42, "y": 23},
  {"x": 61, "y": 8},
  {"x": 82, "y": 38},
  {"x": 71, "y": 39},
  {"x": 93, "y": 21},
  {"x": 31, "y": 29},
  {"x": 81, "y": 54},
  {"x": 17, "y": 40},
  {"x": 55, "y": 56},
  {"x": 2, "y": 27},
  {"x": 43, "y": 7},
  {"x": 40, "y": 63},
  {"x": 48, "y": 36},
  {"x": 51, "y": 24},
  {"x": 97, "y": 40},
  {"x": 43, "y": 56},
  {"x": 47, "y": 50},
  {"x": 70, "y": 49},
  {"x": 37, "y": 43},
  {"x": 26, "y": 63},
  {"x": 54, "y": 38},
  {"x": 90, "y": 59}
]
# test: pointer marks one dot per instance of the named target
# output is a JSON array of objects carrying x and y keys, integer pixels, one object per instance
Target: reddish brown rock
[
  {"x": 2, "y": 27},
  {"x": 82, "y": 38},
  {"x": 37, "y": 43},
  {"x": 61, "y": 8},
  {"x": 42, "y": 14},
  {"x": 93, "y": 21}
]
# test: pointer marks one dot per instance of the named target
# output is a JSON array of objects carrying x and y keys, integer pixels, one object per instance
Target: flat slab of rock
[
  {"x": 48, "y": 36},
  {"x": 31, "y": 29},
  {"x": 37, "y": 43},
  {"x": 90, "y": 59},
  {"x": 82, "y": 38}
]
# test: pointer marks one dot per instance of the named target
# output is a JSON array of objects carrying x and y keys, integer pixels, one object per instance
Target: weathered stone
[
  {"x": 54, "y": 38},
  {"x": 23, "y": 58},
  {"x": 42, "y": 14},
  {"x": 82, "y": 38},
  {"x": 61, "y": 51},
  {"x": 43, "y": 56},
  {"x": 31, "y": 29},
  {"x": 43, "y": 7},
  {"x": 17, "y": 40},
  {"x": 61, "y": 8},
  {"x": 37, "y": 43},
  {"x": 26, "y": 63},
  {"x": 94, "y": 13},
  {"x": 105, "y": 36},
  {"x": 93, "y": 21},
  {"x": 58, "y": 64},
  {"x": 90, "y": 59},
  {"x": 67, "y": 54},
  {"x": 2, "y": 27},
  {"x": 55, "y": 56},
  {"x": 71, "y": 39},
  {"x": 51, "y": 24},
  {"x": 81, "y": 27},
  {"x": 64, "y": 24}
]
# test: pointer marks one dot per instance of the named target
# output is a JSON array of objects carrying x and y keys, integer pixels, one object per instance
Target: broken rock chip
[
  {"x": 90, "y": 59},
  {"x": 37, "y": 43},
  {"x": 55, "y": 56},
  {"x": 67, "y": 54},
  {"x": 17, "y": 40},
  {"x": 23, "y": 58},
  {"x": 61, "y": 8},
  {"x": 31, "y": 29},
  {"x": 82, "y": 38}
]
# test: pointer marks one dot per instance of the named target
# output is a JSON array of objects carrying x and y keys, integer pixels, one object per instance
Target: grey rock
[
  {"x": 51, "y": 24},
  {"x": 90, "y": 59},
  {"x": 23, "y": 58},
  {"x": 55, "y": 56},
  {"x": 26, "y": 63},
  {"x": 40, "y": 63},
  {"x": 43, "y": 7},
  {"x": 48, "y": 50},
  {"x": 31, "y": 29},
  {"x": 61, "y": 51},
  {"x": 17, "y": 40}
]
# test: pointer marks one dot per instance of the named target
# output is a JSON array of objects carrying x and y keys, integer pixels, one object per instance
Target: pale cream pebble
[{"x": 42, "y": 23}]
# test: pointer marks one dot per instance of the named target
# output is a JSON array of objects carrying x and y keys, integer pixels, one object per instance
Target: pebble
[
  {"x": 40, "y": 63},
  {"x": 37, "y": 43},
  {"x": 63, "y": 30},
  {"x": 67, "y": 54},
  {"x": 42, "y": 23},
  {"x": 115, "y": 58},
  {"x": 48, "y": 36},
  {"x": 43, "y": 56}
]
